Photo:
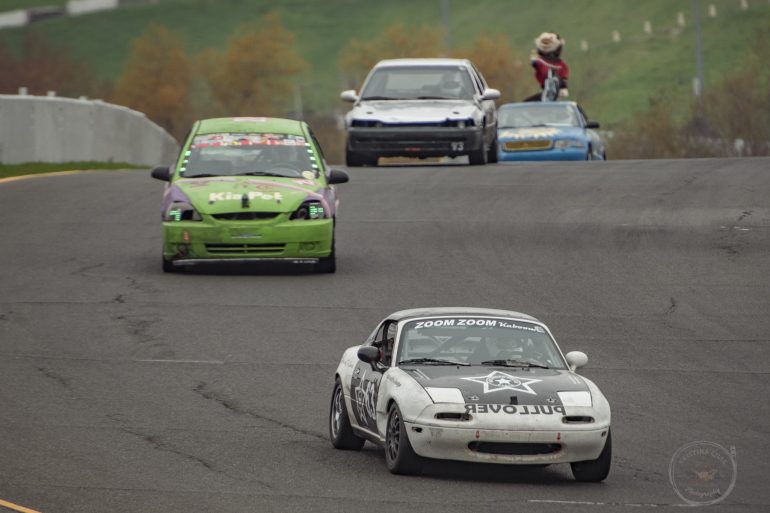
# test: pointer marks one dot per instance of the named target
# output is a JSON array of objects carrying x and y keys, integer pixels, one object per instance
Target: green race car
[{"x": 249, "y": 190}]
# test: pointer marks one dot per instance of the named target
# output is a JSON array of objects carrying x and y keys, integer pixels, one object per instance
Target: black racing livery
[{"x": 498, "y": 384}]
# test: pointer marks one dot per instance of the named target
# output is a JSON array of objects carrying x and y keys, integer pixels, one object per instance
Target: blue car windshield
[{"x": 537, "y": 115}]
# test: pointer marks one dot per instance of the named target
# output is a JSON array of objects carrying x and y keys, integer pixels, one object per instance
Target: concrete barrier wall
[
  {"x": 17, "y": 18},
  {"x": 23, "y": 17},
  {"x": 52, "y": 129},
  {"x": 78, "y": 7}
]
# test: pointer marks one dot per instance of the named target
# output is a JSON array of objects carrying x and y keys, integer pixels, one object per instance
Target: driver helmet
[
  {"x": 506, "y": 346},
  {"x": 272, "y": 155},
  {"x": 549, "y": 45},
  {"x": 451, "y": 84},
  {"x": 390, "y": 338},
  {"x": 386, "y": 351}
]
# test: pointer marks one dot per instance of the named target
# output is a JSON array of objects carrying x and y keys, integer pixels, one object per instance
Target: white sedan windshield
[{"x": 413, "y": 83}]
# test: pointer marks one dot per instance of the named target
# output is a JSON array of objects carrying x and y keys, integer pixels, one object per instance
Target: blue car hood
[{"x": 540, "y": 132}]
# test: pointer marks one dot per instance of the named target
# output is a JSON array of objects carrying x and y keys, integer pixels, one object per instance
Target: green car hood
[{"x": 223, "y": 194}]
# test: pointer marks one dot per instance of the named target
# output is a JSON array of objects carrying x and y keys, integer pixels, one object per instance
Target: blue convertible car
[{"x": 547, "y": 131}]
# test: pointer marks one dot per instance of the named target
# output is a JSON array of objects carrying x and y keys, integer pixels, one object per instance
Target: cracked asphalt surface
[{"x": 124, "y": 389}]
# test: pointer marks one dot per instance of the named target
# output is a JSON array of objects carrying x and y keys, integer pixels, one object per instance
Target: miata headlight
[
  {"x": 445, "y": 395},
  {"x": 578, "y": 398},
  {"x": 569, "y": 143},
  {"x": 310, "y": 210},
  {"x": 181, "y": 211}
]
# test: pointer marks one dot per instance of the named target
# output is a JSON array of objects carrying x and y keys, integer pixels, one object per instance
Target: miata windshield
[{"x": 477, "y": 341}]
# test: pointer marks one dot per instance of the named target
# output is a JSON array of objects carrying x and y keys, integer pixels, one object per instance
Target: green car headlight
[
  {"x": 310, "y": 210},
  {"x": 181, "y": 211},
  {"x": 569, "y": 143}
]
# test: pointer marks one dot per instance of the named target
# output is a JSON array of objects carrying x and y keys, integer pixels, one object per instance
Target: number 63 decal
[{"x": 457, "y": 146}]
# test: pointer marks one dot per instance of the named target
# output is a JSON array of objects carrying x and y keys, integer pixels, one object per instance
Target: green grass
[
  {"x": 35, "y": 168},
  {"x": 612, "y": 80}
]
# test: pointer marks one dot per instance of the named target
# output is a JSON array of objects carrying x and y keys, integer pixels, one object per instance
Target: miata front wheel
[
  {"x": 399, "y": 455},
  {"x": 593, "y": 471}
]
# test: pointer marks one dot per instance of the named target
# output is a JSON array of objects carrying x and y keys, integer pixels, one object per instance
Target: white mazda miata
[{"x": 470, "y": 384}]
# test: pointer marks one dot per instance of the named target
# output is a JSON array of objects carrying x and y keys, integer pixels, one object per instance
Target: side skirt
[{"x": 368, "y": 435}]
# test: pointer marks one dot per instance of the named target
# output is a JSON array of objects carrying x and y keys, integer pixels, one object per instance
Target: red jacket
[{"x": 541, "y": 69}]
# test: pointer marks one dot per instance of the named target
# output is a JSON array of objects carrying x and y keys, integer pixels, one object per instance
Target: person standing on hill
[{"x": 547, "y": 54}]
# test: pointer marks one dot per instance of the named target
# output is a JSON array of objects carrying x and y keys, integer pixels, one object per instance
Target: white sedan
[{"x": 470, "y": 384}]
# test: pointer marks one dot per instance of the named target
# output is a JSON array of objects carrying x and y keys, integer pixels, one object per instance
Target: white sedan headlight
[
  {"x": 445, "y": 395},
  {"x": 581, "y": 398},
  {"x": 569, "y": 143}
]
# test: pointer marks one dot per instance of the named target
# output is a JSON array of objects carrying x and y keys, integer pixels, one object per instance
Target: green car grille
[
  {"x": 244, "y": 249},
  {"x": 245, "y": 216}
]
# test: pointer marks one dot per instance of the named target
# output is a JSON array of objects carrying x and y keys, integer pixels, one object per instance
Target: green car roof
[{"x": 250, "y": 125}]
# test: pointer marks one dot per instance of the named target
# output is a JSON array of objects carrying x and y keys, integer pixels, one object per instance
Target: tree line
[{"x": 256, "y": 73}]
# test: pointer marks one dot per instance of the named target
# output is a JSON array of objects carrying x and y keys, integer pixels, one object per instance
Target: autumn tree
[
  {"x": 256, "y": 74},
  {"x": 396, "y": 41},
  {"x": 42, "y": 66},
  {"x": 157, "y": 79},
  {"x": 654, "y": 133},
  {"x": 495, "y": 58},
  {"x": 731, "y": 119},
  {"x": 737, "y": 108},
  {"x": 9, "y": 71}
]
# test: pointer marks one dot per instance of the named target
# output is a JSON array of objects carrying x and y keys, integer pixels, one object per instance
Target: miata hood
[{"x": 499, "y": 385}]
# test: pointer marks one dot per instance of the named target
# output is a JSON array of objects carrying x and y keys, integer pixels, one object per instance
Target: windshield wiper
[
  {"x": 437, "y": 361},
  {"x": 264, "y": 173},
  {"x": 379, "y": 98},
  {"x": 202, "y": 175},
  {"x": 434, "y": 98},
  {"x": 514, "y": 363}
]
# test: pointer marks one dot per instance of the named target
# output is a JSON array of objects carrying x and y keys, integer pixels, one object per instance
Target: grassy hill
[
  {"x": 611, "y": 79},
  {"x": 10, "y": 5}
]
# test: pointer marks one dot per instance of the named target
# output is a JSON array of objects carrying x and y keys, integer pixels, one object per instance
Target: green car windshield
[{"x": 232, "y": 154}]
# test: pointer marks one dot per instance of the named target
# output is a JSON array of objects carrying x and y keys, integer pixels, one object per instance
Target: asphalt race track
[{"x": 123, "y": 389}]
